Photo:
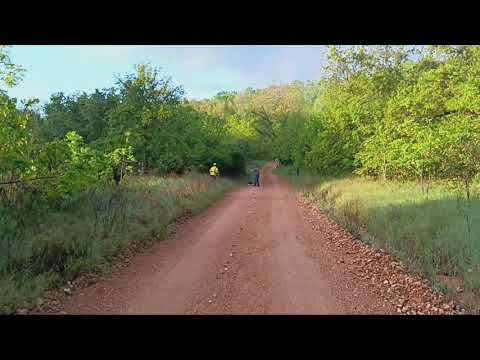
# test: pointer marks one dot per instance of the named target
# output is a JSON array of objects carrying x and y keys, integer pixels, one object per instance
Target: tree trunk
[
  {"x": 145, "y": 156},
  {"x": 121, "y": 170},
  {"x": 429, "y": 182},
  {"x": 384, "y": 167},
  {"x": 467, "y": 189}
]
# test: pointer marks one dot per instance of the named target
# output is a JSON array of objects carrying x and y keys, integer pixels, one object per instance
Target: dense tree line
[
  {"x": 142, "y": 124},
  {"x": 392, "y": 112},
  {"x": 385, "y": 111}
]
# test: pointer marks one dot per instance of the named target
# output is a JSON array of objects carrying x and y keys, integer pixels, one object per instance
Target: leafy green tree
[
  {"x": 86, "y": 114},
  {"x": 146, "y": 103},
  {"x": 10, "y": 73}
]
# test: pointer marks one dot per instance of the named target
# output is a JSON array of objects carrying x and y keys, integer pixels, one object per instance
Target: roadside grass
[
  {"x": 85, "y": 235},
  {"x": 434, "y": 231}
]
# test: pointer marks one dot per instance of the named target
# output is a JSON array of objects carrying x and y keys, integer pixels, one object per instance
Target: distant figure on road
[
  {"x": 257, "y": 176},
  {"x": 214, "y": 172}
]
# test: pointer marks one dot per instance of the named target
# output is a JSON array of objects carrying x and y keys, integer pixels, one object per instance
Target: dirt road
[{"x": 254, "y": 252}]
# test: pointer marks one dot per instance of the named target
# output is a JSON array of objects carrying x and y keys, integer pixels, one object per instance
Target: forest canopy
[{"x": 403, "y": 112}]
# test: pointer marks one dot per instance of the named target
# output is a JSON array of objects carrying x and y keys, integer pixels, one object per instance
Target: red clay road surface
[{"x": 251, "y": 253}]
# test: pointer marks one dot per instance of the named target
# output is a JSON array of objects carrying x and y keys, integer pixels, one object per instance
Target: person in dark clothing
[{"x": 257, "y": 177}]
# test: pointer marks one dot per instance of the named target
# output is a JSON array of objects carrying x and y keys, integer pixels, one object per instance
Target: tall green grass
[
  {"x": 434, "y": 230},
  {"x": 42, "y": 250}
]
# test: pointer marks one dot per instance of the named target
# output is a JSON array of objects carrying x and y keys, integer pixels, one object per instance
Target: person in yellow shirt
[{"x": 214, "y": 172}]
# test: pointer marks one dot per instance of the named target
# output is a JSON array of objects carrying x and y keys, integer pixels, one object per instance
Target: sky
[{"x": 202, "y": 70}]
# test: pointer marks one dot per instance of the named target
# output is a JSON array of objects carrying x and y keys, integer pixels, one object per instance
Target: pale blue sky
[{"x": 202, "y": 70}]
